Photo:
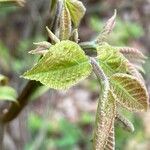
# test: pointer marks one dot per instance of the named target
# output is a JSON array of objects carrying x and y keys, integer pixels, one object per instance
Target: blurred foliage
[{"x": 61, "y": 134}]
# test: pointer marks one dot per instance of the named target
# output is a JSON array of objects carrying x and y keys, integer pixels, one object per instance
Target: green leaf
[
  {"x": 130, "y": 93},
  {"x": 53, "y": 4},
  {"x": 7, "y": 93},
  {"x": 77, "y": 11},
  {"x": 64, "y": 65},
  {"x": 105, "y": 116},
  {"x": 111, "y": 60}
]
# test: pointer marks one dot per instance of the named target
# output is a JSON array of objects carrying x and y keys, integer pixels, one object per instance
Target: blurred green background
[{"x": 64, "y": 120}]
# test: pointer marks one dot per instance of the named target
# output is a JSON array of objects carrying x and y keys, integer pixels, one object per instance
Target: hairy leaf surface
[
  {"x": 130, "y": 92},
  {"x": 111, "y": 60},
  {"x": 110, "y": 143},
  {"x": 65, "y": 24},
  {"x": 64, "y": 65},
  {"x": 77, "y": 11},
  {"x": 105, "y": 116}
]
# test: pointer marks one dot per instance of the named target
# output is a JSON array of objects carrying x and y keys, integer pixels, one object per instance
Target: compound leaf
[
  {"x": 130, "y": 92},
  {"x": 111, "y": 60},
  {"x": 64, "y": 65},
  {"x": 7, "y": 93},
  {"x": 77, "y": 11},
  {"x": 105, "y": 116}
]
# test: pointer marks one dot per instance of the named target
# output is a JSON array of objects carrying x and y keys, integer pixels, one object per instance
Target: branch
[
  {"x": 13, "y": 111},
  {"x": 88, "y": 46},
  {"x": 23, "y": 99}
]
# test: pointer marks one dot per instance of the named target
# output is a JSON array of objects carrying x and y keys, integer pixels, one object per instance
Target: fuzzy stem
[
  {"x": 105, "y": 85},
  {"x": 88, "y": 46},
  {"x": 99, "y": 72}
]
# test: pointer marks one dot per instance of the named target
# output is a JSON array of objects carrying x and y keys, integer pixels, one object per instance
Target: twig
[{"x": 13, "y": 111}]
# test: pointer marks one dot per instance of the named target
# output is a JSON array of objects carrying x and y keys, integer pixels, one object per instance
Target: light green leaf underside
[
  {"x": 77, "y": 11},
  {"x": 105, "y": 116},
  {"x": 63, "y": 66},
  {"x": 110, "y": 143},
  {"x": 130, "y": 92},
  {"x": 7, "y": 93},
  {"x": 111, "y": 60}
]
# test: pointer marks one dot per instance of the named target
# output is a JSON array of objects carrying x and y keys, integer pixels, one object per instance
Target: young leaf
[
  {"x": 110, "y": 143},
  {"x": 132, "y": 54},
  {"x": 130, "y": 93},
  {"x": 7, "y": 93},
  {"x": 134, "y": 72},
  {"x": 105, "y": 116},
  {"x": 111, "y": 60},
  {"x": 64, "y": 65},
  {"x": 124, "y": 122},
  {"x": 52, "y": 36},
  {"x": 65, "y": 23},
  {"x": 107, "y": 29},
  {"x": 77, "y": 11}
]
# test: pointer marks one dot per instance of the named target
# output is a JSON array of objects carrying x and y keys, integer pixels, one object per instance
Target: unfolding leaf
[
  {"x": 111, "y": 60},
  {"x": 130, "y": 93},
  {"x": 105, "y": 116},
  {"x": 107, "y": 29},
  {"x": 124, "y": 122},
  {"x": 64, "y": 65},
  {"x": 134, "y": 72},
  {"x": 7, "y": 93},
  {"x": 110, "y": 143},
  {"x": 65, "y": 23},
  {"x": 132, "y": 54},
  {"x": 77, "y": 11}
]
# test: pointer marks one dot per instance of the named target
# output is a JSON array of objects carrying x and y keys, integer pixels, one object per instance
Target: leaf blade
[
  {"x": 111, "y": 60},
  {"x": 77, "y": 11},
  {"x": 110, "y": 143},
  {"x": 130, "y": 93},
  {"x": 63, "y": 66},
  {"x": 104, "y": 120}
]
